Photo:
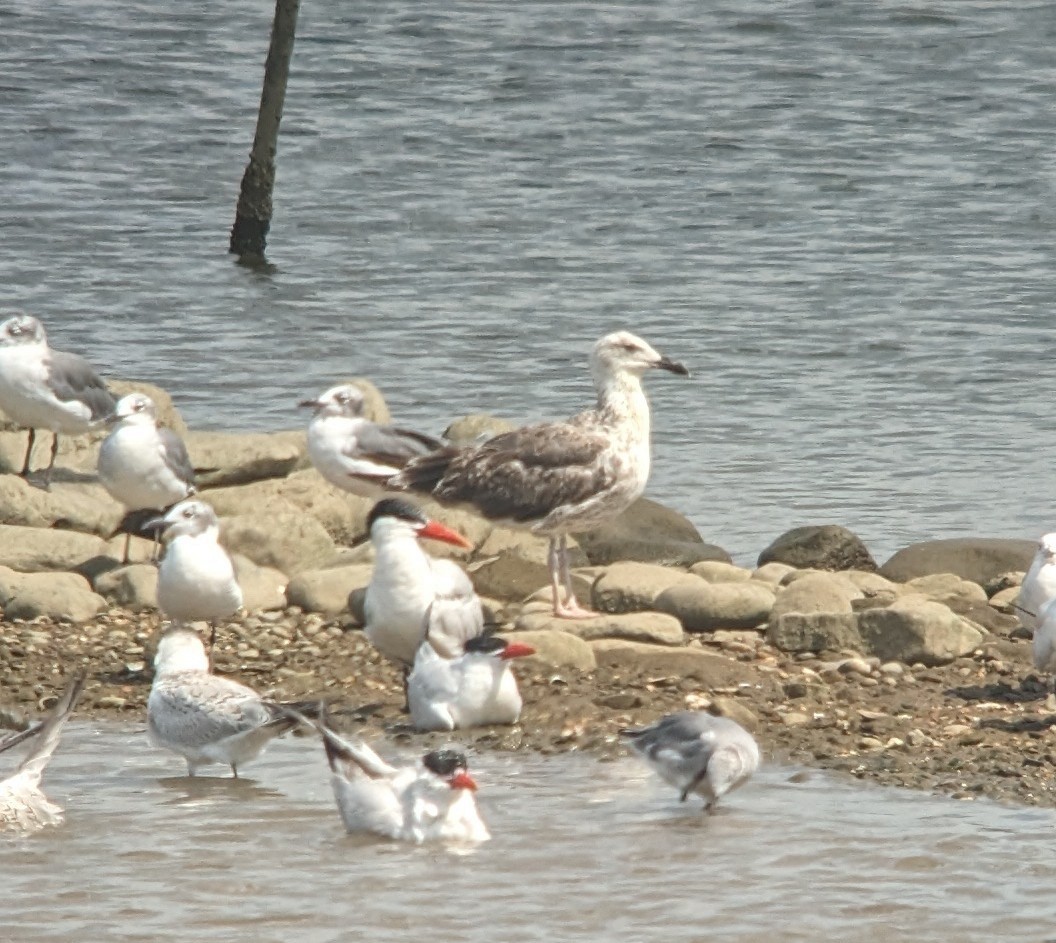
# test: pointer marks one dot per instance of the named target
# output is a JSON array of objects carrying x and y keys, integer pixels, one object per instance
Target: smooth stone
[
  {"x": 815, "y": 592},
  {"x": 773, "y": 573},
  {"x": 38, "y": 549},
  {"x": 133, "y": 587},
  {"x": 652, "y": 627},
  {"x": 327, "y": 591},
  {"x": 917, "y": 629},
  {"x": 476, "y": 428},
  {"x": 979, "y": 559},
  {"x": 658, "y": 661},
  {"x": 715, "y": 571},
  {"x": 288, "y": 541},
  {"x": 824, "y": 547},
  {"x": 66, "y": 597},
  {"x": 554, "y": 649},
  {"x": 634, "y": 587},
  {"x": 263, "y": 587},
  {"x": 814, "y": 632},
  {"x": 512, "y": 564},
  {"x": 237, "y": 458},
  {"x": 703, "y": 607},
  {"x": 85, "y": 507},
  {"x": 949, "y": 589}
]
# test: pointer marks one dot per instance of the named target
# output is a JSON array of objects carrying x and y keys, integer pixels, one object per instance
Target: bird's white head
[
  {"x": 190, "y": 518},
  {"x": 137, "y": 408},
  {"x": 346, "y": 400},
  {"x": 22, "y": 329},
  {"x": 625, "y": 353},
  {"x": 180, "y": 649},
  {"x": 1047, "y": 547},
  {"x": 393, "y": 518}
]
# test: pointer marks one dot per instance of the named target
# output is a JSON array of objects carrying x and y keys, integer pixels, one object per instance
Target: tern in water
[
  {"x": 556, "y": 478},
  {"x": 697, "y": 753},
  {"x": 354, "y": 453},
  {"x": 413, "y": 595},
  {"x": 206, "y": 718},
  {"x": 141, "y": 464},
  {"x": 196, "y": 577},
  {"x": 432, "y": 800},
  {"x": 1039, "y": 584},
  {"x": 41, "y": 388},
  {"x": 472, "y": 690},
  {"x": 23, "y": 805}
]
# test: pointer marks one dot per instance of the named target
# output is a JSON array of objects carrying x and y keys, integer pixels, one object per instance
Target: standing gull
[
  {"x": 203, "y": 717},
  {"x": 196, "y": 577},
  {"x": 1039, "y": 584},
  {"x": 141, "y": 464},
  {"x": 41, "y": 388},
  {"x": 472, "y": 690},
  {"x": 354, "y": 453},
  {"x": 411, "y": 595},
  {"x": 432, "y": 800},
  {"x": 697, "y": 752},
  {"x": 22, "y": 803},
  {"x": 555, "y": 478}
]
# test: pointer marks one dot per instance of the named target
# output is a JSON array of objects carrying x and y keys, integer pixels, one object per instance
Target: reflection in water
[{"x": 582, "y": 850}]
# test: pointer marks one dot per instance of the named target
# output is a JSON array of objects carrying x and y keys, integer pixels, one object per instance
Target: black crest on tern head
[
  {"x": 485, "y": 644},
  {"x": 395, "y": 507},
  {"x": 445, "y": 762}
]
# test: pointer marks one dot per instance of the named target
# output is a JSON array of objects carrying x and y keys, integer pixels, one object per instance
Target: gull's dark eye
[{"x": 343, "y": 398}]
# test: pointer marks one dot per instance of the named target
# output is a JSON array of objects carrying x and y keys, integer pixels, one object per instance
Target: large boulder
[
  {"x": 85, "y": 507},
  {"x": 557, "y": 650},
  {"x": 36, "y": 549},
  {"x": 949, "y": 589},
  {"x": 263, "y": 587},
  {"x": 816, "y": 592},
  {"x": 917, "y": 629},
  {"x": 511, "y": 564},
  {"x": 652, "y": 627},
  {"x": 704, "y": 607},
  {"x": 633, "y": 587},
  {"x": 237, "y": 458},
  {"x": 815, "y": 632},
  {"x": 649, "y": 533},
  {"x": 979, "y": 559},
  {"x": 133, "y": 587},
  {"x": 288, "y": 541},
  {"x": 65, "y": 597},
  {"x": 327, "y": 591},
  {"x": 824, "y": 547}
]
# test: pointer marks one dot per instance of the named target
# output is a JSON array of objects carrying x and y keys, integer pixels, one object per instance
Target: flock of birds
[{"x": 552, "y": 478}]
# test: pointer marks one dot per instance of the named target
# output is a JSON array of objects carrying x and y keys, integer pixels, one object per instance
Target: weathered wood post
[{"x": 253, "y": 215}]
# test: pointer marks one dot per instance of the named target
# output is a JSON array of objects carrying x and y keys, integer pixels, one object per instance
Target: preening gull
[
  {"x": 41, "y": 388},
  {"x": 141, "y": 464},
  {"x": 196, "y": 576},
  {"x": 556, "y": 478},
  {"x": 354, "y": 453},
  {"x": 413, "y": 596},
  {"x": 1039, "y": 583},
  {"x": 432, "y": 800},
  {"x": 23, "y": 805},
  {"x": 206, "y": 718},
  {"x": 472, "y": 690},
  {"x": 697, "y": 752}
]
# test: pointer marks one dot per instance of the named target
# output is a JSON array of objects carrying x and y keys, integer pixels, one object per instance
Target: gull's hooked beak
[
  {"x": 671, "y": 366},
  {"x": 436, "y": 531}
]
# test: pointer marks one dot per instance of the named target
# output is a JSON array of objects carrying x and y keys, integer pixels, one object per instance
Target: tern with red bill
[
  {"x": 557, "y": 478},
  {"x": 472, "y": 690},
  {"x": 412, "y": 595},
  {"x": 432, "y": 800},
  {"x": 352, "y": 452}
]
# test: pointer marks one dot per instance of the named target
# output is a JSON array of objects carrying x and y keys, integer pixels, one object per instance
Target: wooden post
[{"x": 253, "y": 215}]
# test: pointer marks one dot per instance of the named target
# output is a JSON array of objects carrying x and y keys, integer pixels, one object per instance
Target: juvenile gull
[
  {"x": 203, "y": 717},
  {"x": 196, "y": 576},
  {"x": 556, "y": 478},
  {"x": 41, "y": 388},
  {"x": 23, "y": 805},
  {"x": 432, "y": 800},
  {"x": 697, "y": 752},
  {"x": 141, "y": 464},
  {"x": 1039, "y": 583},
  {"x": 472, "y": 690},
  {"x": 354, "y": 453},
  {"x": 411, "y": 595}
]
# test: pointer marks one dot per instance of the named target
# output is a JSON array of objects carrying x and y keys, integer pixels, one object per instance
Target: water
[
  {"x": 838, "y": 214},
  {"x": 581, "y": 850}
]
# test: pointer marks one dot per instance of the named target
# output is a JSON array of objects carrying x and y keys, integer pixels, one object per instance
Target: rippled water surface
[
  {"x": 582, "y": 850},
  {"x": 840, "y": 215}
]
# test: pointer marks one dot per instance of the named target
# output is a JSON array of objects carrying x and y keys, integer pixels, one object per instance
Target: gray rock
[
  {"x": 133, "y": 587},
  {"x": 824, "y": 547},
  {"x": 949, "y": 589},
  {"x": 287, "y": 541},
  {"x": 511, "y": 565},
  {"x": 237, "y": 458},
  {"x": 327, "y": 591},
  {"x": 634, "y": 587},
  {"x": 773, "y": 573},
  {"x": 704, "y": 607},
  {"x": 816, "y": 592},
  {"x": 917, "y": 629},
  {"x": 715, "y": 571},
  {"x": 82, "y": 507},
  {"x": 263, "y": 587},
  {"x": 476, "y": 428},
  {"x": 65, "y": 597},
  {"x": 872, "y": 584},
  {"x": 815, "y": 632},
  {"x": 651, "y": 627},
  {"x": 648, "y": 532},
  {"x": 979, "y": 559},
  {"x": 557, "y": 650},
  {"x": 656, "y": 661},
  {"x": 37, "y": 549}
]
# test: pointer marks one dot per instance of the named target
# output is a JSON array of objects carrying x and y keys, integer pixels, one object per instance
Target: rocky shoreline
[{"x": 913, "y": 673}]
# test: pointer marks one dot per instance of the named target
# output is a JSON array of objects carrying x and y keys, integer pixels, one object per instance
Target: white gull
[
  {"x": 41, "y": 388},
  {"x": 556, "y": 478},
  {"x": 697, "y": 753},
  {"x": 1039, "y": 583},
  {"x": 472, "y": 690},
  {"x": 23, "y": 805},
  {"x": 353, "y": 452}
]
